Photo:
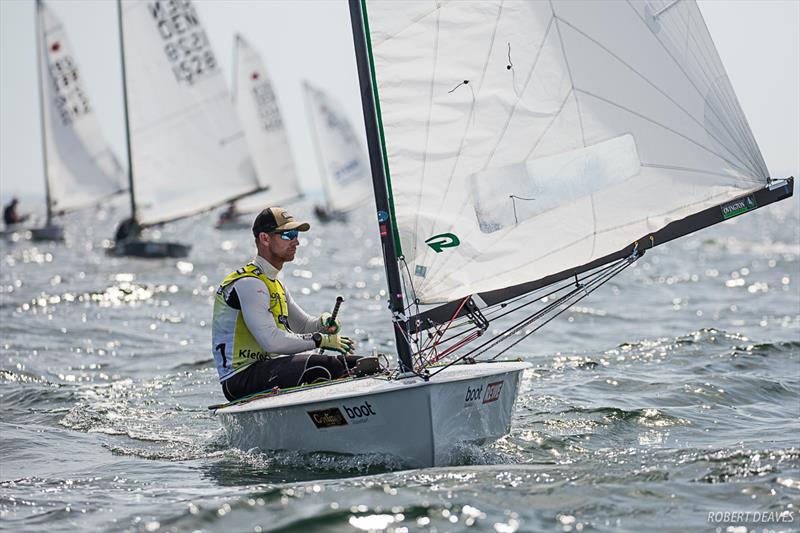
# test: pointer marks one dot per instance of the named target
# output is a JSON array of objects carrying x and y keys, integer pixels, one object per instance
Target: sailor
[
  {"x": 261, "y": 338},
  {"x": 10, "y": 215},
  {"x": 128, "y": 229},
  {"x": 230, "y": 214}
]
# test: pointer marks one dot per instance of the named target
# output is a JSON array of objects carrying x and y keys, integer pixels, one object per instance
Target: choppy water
[{"x": 665, "y": 400}]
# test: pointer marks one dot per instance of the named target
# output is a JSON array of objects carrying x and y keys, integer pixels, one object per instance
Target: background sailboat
[
  {"x": 80, "y": 169},
  {"x": 343, "y": 166},
  {"x": 523, "y": 154},
  {"x": 186, "y": 147},
  {"x": 259, "y": 112}
]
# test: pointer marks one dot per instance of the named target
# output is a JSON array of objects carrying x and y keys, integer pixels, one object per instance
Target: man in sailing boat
[
  {"x": 260, "y": 337},
  {"x": 10, "y": 215}
]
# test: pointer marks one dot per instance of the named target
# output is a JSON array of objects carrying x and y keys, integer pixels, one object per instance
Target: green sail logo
[{"x": 442, "y": 241}]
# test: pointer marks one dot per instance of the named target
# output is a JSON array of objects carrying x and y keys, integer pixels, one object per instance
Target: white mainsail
[
  {"x": 80, "y": 168},
  {"x": 343, "y": 163},
  {"x": 266, "y": 134},
  {"x": 188, "y": 150},
  {"x": 527, "y": 138}
]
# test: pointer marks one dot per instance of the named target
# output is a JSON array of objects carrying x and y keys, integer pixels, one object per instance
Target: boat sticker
[
  {"x": 421, "y": 271},
  {"x": 492, "y": 391},
  {"x": 360, "y": 413},
  {"x": 473, "y": 394},
  {"x": 383, "y": 216},
  {"x": 325, "y": 418},
  {"x": 737, "y": 207},
  {"x": 442, "y": 241}
]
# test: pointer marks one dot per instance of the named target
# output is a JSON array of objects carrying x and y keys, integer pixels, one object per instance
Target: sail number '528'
[{"x": 185, "y": 43}]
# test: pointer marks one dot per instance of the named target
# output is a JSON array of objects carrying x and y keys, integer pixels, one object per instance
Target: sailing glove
[
  {"x": 329, "y": 326},
  {"x": 338, "y": 343}
]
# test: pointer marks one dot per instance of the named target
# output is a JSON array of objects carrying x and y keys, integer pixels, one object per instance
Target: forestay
[
  {"x": 261, "y": 119},
  {"x": 526, "y": 138},
  {"x": 188, "y": 148},
  {"x": 81, "y": 169},
  {"x": 343, "y": 164}
]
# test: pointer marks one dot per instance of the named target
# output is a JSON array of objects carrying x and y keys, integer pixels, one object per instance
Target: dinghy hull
[
  {"x": 48, "y": 233},
  {"x": 149, "y": 249},
  {"x": 421, "y": 423}
]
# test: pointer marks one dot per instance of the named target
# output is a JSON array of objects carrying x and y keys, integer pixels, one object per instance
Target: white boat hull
[{"x": 421, "y": 423}]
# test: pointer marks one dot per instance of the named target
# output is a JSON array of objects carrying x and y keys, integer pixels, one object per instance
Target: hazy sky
[{"x": 757, "y": 40}]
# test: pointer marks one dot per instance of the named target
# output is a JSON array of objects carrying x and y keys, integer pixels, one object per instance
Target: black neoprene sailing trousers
[{"x": 287, "y": 371}]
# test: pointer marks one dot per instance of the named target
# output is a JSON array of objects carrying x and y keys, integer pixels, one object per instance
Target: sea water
[{"x": 667, "y": 400}]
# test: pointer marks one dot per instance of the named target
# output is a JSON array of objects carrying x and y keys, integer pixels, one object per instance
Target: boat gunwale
[{"x": 399, "y": 384}]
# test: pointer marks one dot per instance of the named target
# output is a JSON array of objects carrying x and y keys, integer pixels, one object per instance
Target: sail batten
[{"x": 526, "y": 139}]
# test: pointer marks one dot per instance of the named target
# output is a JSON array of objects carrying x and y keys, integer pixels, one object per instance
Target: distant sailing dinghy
[
  {"x": 186, "y": 148},
  {"x": 342, "y": 163},
  {"x": 79, "y": 167},
  {"x": 523, "y": 154},
  {"x": 259, "y": 112}
]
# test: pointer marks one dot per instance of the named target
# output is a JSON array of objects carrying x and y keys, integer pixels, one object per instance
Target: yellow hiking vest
[{"x": 232, "y": 344}]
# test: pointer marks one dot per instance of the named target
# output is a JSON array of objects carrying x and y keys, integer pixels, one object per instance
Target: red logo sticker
[{"x": 492, "y": 392}]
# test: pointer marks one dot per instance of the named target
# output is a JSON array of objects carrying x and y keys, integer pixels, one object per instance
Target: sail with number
[
  {"x": 80, "y": 168},
  {"x": 343, "y": 164},
  {"x": 187, "y": 148},
  {"x": 525, "y": 142},
  {"x": 261, "y": 119}
]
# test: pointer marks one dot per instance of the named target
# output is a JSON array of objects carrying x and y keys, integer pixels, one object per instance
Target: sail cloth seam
[
  {"x": 657, "y": 89},
  {"x": 184, "y": 111},
  {"x": 664, "y": 126},
  {"x": 735, "y": 112},
  {"x": 703, "y": 171},
  {"x": 606, "y": 230},
  {"x": 681, "y": 68},
  {"x": 471, "y": 114},
  {"x": 569, "y": 71},
  {"x": 428, "y": 121},
  {"x": 519, "y": 96},
  {"x": 381, "y": 134}
]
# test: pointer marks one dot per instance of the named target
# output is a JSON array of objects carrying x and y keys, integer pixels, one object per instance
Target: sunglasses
[{"x": 288, "y": 235}]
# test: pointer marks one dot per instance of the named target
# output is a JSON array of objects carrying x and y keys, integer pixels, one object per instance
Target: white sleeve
[
  {"x": 299, "y": 320},
  {"x": 254, "y": 303}
]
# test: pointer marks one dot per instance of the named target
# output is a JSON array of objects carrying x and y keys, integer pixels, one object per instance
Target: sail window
[{"x": 507, "y": 196}]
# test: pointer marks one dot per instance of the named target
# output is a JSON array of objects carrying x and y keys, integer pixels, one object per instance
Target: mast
[
  {"x": 39, "y": 51},
  {"x": 317, "y": 145},
  {"x": 235, "y": 79},
  {"x": 379, "y": 184},
  {"x": 125, "y": 104}
]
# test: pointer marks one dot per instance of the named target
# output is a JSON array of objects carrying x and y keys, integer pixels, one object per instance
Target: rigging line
[
  {"x": 674, "y": 59},
  {"x": 650, "y": 83},
  {"x": 567, "y": 301},
  {"x": 499, "y": 307},
  {"x": 502, "y": 336},
  {"x": 667, "y": 128},
  {"x": 586, "y": 293}
]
